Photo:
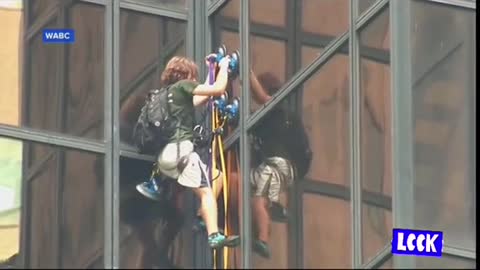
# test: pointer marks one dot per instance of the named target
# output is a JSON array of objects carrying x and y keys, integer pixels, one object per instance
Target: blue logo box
[
  {"x": 417, "y": 243},
  {"x": 58, "y": 35}
]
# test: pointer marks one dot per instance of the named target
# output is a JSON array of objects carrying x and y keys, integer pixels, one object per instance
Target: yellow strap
[{"x": 212, "y": 170}]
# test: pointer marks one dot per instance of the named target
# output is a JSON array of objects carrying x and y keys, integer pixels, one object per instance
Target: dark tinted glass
[
  {"x": 64, "y": 213},
  {"x": 64, "y": 84},
  {"x": 147, "y": 43}
]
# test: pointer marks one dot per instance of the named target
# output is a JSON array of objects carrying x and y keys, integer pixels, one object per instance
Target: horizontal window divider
[
  {"x": 378, "y": 260},
  {"x": 257, "y": 29},
  {"x": 132, "y": 153},
  {"x": 98, "y": 2},
  {"x": 470, "y": 4},
  {"x": 459, "y": 252},
  {"x": 154, "y": 10},
  {"x": 48, "y": 137},
  {"x": 343, "y": 192}
]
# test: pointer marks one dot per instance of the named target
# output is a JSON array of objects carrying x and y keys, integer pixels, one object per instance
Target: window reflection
[
  {"x": 64, "y": 84},
  {"x": 443, "y": 91},
  {"x": 375, "y": 125},
  {"x": 152, "y": 234},
  {"x": 10, "y": 199},
  {"x": 63, "y": 219},
  {"x": 149, "y": 228},
  {"x": 282, "y": 151},
  {"x": 143, "y": 55}
]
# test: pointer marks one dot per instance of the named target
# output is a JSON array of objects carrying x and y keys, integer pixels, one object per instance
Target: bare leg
[
  {"x": 217, "y": 186},
  {"x": 262, "y": 217},
  {"x": 208, "y": 208}
]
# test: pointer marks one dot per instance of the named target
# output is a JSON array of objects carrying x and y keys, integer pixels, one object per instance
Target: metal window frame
[
  {"x": 402, "y": 123},
  {"x": 355, "y": 147},
  {"x": 112, "y": 136},
  {"x": 111, "y": 145}
]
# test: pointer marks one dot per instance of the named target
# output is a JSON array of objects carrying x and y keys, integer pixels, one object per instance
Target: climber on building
[
  {"x": 178, "y": 158},
  {"x": 277, "y": 159}
]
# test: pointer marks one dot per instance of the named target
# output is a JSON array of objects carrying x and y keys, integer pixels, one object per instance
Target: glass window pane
[
  {"x": 76, "y": 107},
  {"x": 64, "y": 214},
  {"x": 325, "y": 109},
  {"x": 269, "y": 62},
  {"x": 265, "y": 12},
  {"x": 148, "y": 227},
  {"x": 169, "y": 4},
  {"x": 363, "y": 5},
  {"x": 225, "y": 31},
  {"x": 38, "y": 8},
  {"x": 83, "y": 104},
  {"x": 326, "y": 241},
  {"x": 10, "y": 74},
  {"x": 324, "y": 94},
  {"x": 43, "y": 87},
  {"x": 147, "y": 43},
  {"x": 10, "y": 199},
  {"x": 388, "y": 264},
  {"x": 322, "y": 21},
  {"x": 443, "y": 40},
  {"x": 375, "y": 136}
]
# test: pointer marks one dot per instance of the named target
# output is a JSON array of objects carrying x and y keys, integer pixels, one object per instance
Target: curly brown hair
[{"x": 179, "y": 68}]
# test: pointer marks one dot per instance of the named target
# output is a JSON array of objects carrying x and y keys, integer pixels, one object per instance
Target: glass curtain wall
[{"x": 376, "y": 96}]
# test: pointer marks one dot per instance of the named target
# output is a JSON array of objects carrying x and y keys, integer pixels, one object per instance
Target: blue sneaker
[
  {"x": 149, "y": 189},
  {"x": 218, "y": 240}
]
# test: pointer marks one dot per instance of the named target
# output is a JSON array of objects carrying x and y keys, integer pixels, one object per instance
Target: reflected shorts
[
  {"x": 272, "y": 177},
  {"x": 195, "y": 173}
]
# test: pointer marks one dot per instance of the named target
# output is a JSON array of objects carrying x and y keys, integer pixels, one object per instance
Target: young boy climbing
[{"x": 178, "y": 159}]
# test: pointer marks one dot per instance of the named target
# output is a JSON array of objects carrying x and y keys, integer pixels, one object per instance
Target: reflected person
[{"x": 281, "y": 154}]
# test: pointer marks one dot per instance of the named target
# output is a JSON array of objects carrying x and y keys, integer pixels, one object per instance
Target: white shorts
[{"x": 194, "y": 174}]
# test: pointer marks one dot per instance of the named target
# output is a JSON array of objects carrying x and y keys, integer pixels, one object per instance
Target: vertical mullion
[
  {"x": 116, "y": 134},
  {"x": 402, "y": 123},
  {"x": 61, "y": 117},
  {"x": 355, "y": 145},
  {"x": 201, "y": 255},
  {"x": 111, "y": 222},
  {"x": 24, "y": 247},
  {"x": 295, "y": 200},
  {"x": 246, "y": 226},
  {"x": 188, "y": 198}
]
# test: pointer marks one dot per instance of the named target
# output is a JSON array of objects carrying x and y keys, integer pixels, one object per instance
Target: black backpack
[
  {"x": 286, "y": 134},
  {"x": 155, "y": 124}
]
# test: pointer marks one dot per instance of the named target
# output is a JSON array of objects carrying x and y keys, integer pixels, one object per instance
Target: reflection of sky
[
  {"x": 13, "y": 4},
  {"x": 7, "y": 196},
  {"x": 10, "y": 173}
]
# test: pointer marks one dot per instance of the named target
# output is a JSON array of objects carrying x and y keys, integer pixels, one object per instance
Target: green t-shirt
[{"x": 182, "y": 109}]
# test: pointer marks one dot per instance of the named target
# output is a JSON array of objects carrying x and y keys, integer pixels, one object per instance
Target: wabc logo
[
  {"x": 417, "y": 242},
  {"x": 58, "y": 35}
]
